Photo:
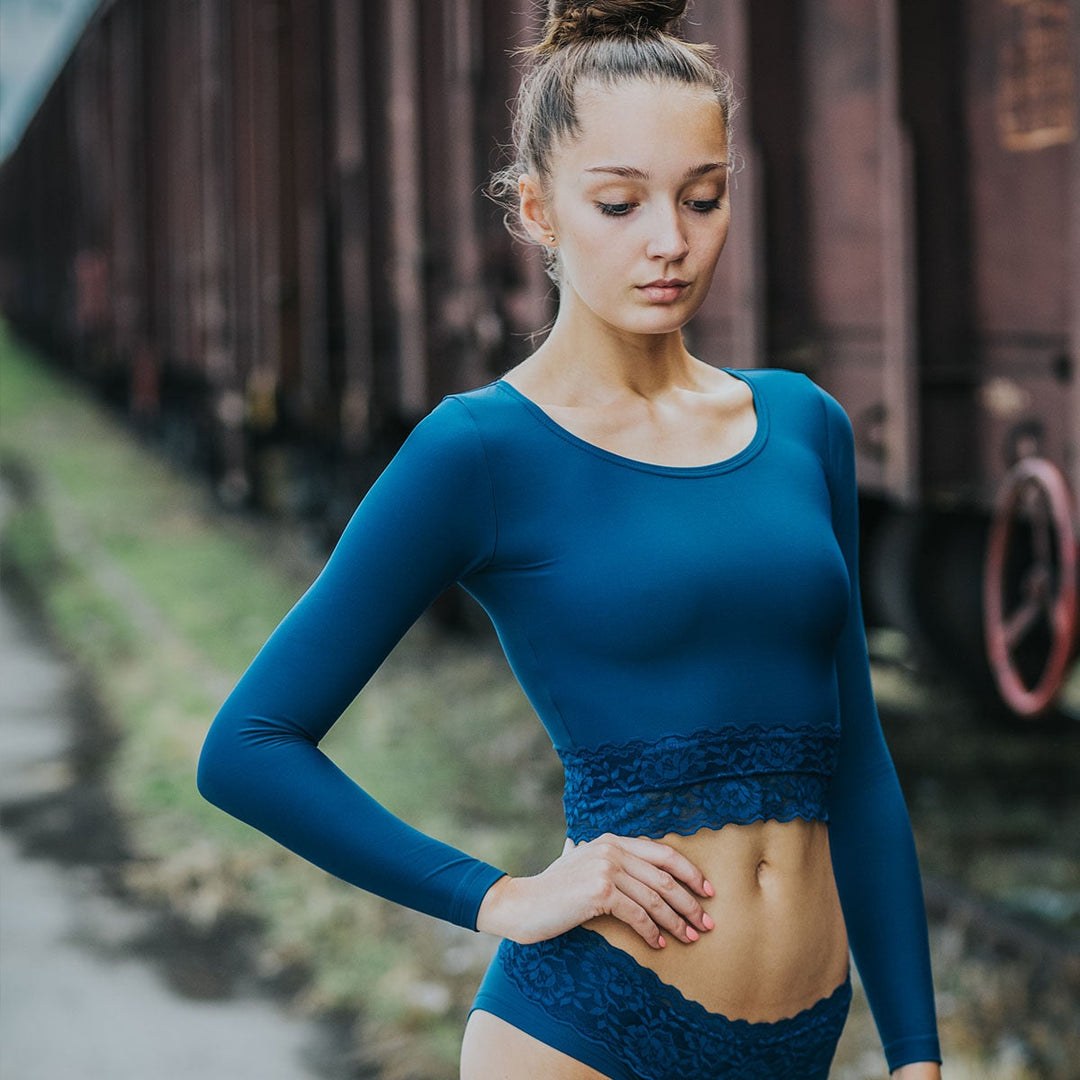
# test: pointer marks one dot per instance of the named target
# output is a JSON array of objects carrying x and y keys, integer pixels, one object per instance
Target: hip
[{"x": 574, "y": 1007}]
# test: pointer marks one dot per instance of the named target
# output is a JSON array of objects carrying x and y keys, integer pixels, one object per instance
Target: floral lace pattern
[
  {"x": 579, "y": 978},
  {"x": 713, "y": 777}
]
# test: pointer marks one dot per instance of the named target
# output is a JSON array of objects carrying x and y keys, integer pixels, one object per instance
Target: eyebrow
[{"x": 630, "y": 173}]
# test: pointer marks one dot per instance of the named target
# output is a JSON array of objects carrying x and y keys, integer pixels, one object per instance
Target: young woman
[{"x": 668, "y": 550}]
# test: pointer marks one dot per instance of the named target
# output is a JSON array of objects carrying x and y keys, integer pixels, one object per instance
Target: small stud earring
[{"x": 551, "y": 239}]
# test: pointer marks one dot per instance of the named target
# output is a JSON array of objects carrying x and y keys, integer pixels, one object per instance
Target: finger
[
  {"x": 672, "y": 891},
  {"x": 629, "y": 911},
  {"x": 656, "y": 906},
  {"x": 659, "y": 865},
  {"x": 674, "y": 862}
]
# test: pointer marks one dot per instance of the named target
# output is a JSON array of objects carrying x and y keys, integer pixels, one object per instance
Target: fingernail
[
  {"x": 709, "y": 890},
  {"x": 691, "y": 933},
  {"x": 707, "y": 922},
  {"x": 662, "y": 943}
]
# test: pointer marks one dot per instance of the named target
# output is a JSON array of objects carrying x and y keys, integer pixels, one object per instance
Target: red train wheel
[{"x": 1029, "y": 586}]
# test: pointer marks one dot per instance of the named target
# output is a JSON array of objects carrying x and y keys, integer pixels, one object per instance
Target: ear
[{"x": 534, "y": 215}]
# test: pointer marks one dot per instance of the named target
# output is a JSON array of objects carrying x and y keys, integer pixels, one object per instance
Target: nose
[{"x": 668, "y": 239}]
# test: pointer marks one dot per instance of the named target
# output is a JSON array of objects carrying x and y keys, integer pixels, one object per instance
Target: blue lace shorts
[{"x": 580, "y": 994}]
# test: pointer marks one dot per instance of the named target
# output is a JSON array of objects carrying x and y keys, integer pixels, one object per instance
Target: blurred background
[{"x": 244, "y": 247}]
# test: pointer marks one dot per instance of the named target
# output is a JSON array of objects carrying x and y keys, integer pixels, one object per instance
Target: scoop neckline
[{"x": 750, "y": 450}]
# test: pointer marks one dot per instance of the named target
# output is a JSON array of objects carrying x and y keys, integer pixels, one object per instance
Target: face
[{"x": 638, "y": 203}]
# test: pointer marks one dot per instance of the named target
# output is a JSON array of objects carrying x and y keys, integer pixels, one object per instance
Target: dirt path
[{"x": 78, "y": 999}]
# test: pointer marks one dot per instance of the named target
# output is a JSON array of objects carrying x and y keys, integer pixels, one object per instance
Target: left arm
[{"x": 873, "y": 849}]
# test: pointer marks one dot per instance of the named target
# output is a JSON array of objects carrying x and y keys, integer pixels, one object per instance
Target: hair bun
[{"x": 571, "y": 21}]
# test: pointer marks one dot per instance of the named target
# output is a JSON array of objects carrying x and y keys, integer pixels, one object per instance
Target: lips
[{"x": 664, "y": 290}]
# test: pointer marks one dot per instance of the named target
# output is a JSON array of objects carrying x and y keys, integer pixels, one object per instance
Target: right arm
[{"x": 427, "y": 521}]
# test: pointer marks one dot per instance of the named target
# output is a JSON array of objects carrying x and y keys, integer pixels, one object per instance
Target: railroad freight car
[
  {"x": 918, "y": 238},
  {"x": 257, "y": 222},
  {"x": 259, "y": 225}
]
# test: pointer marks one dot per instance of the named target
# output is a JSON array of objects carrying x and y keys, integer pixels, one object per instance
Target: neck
[{"x": 588, "y": 361}]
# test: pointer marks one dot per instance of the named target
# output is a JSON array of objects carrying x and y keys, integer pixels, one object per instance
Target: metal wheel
[{"x": 1029, "y": 586}]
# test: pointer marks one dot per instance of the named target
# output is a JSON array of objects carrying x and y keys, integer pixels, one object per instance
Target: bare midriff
[{"x": 779, "y": 944}]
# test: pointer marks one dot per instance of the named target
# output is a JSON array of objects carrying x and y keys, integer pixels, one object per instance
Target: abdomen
[{"x": 779, "y": 944}]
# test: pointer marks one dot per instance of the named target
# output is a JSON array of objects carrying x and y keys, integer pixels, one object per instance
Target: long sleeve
[
  {"x": 428, "y": 521},
  {"x": 874, "y": 858}
]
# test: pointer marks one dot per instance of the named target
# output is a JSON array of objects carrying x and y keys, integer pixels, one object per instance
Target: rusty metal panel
[
  {"x": 818, "y": 275},
  {"x": 890, "y": 448},
  {"x": 54, "y": 202},
  {"x": 214, "y": 296},
  {"x": 185, "y": 186},
  {"x": 155, "y": 89},
  {"x": 1020, "y": 101},
  {"x": 90, "y": 265},
  {"x": 842, "y": 72},
  {"x": 1019, "y": 188},
  {"x": 49, "y": 202},
  {"x": 437, "y": 163},
  {"x": 503, "y": 263},
  {"x": 266, "y": 140},
  {"x": 712, "y": 333},
  {"x": 775, "y": 123},
  {"x": 461, "y": 303},
  {"x": 462, "y": 322},
  {"x": 308, "y": 44},
  {"x": 726, "y": 331},
  {"x": 286, "y": 305},
  {"x": 1036, "y": 100},
  {"x": 350, "y": 47},
  {"x": 527, "y": 296},
  {"x": 134, "y": 111},
  {"x": 844, "y": 97},
  {"x": 404, "y": 166},
  {"x": 249, "y": 399},
  {"x": 128, "y": 181},
  {"x": 89, "y": 132},
  {"x": 241, "y": 197}
]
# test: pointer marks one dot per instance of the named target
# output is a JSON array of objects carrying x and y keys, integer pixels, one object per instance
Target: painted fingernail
[
  {"x": 691, "y": 933},
  {"x": 709, "y": 890},
  {"x": 707, "y": 922},
  {"x": 662, "y": 943}
]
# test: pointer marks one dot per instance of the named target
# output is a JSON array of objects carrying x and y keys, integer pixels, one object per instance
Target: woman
[{"x": 668, "y": 550}]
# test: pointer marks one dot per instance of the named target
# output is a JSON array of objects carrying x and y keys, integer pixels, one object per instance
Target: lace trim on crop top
[{"x": 710, "y": 778}]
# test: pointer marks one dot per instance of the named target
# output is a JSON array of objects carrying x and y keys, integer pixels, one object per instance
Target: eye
[
  {"x": 615, "y": 209},
  {"x": 704, "y": 206}
]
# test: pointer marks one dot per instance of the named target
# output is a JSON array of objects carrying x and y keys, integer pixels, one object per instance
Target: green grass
[{"x": 164, "y": 599}]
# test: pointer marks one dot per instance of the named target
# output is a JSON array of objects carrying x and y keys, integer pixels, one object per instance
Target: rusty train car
[{"x": 259, "y": 225}]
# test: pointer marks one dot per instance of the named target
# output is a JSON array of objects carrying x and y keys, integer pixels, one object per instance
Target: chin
[
  {"x": 661, "y": 319},
  {"x": 642, "y": 318}
]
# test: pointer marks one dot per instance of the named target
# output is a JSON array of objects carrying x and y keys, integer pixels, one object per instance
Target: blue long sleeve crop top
[{"x": 691, "y": 638}]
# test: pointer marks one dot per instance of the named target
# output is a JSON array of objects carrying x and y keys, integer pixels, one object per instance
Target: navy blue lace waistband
[
  {"x": 579, "y": 979},
  {"x": 710, "y": 778}
]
